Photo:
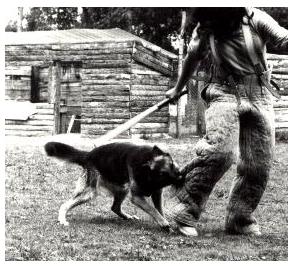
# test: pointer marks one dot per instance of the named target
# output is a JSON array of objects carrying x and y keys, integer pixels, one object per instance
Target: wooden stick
[
  {"x": 71, "y": 124},
  {"x": 133, "y": 121},
  {"x": 180, "y": 103}
]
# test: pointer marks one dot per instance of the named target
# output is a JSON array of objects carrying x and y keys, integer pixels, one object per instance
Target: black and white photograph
[{"x": 145, "y": 133}]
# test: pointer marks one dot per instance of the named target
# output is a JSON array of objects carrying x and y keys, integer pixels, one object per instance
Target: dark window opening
[{"x": 35, "y": 90}]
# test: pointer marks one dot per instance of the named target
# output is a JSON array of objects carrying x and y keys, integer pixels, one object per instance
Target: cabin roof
[{"x": 79, "y": 36}]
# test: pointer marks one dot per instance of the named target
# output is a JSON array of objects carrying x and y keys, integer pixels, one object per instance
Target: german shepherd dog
[{"x": 121, "y": 168}]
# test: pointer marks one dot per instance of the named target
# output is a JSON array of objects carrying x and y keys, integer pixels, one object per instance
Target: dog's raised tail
[{"x": 66, "y": 152}]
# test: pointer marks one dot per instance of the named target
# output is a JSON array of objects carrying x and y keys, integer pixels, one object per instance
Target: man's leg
[
  {"x": 215, "y": 154},
  {"x": 256, "y": 148}
]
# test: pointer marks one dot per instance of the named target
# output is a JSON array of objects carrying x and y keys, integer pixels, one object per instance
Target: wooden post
[
  {"x": 54, "y": 92},
  {"x": 180, "y": 103}
]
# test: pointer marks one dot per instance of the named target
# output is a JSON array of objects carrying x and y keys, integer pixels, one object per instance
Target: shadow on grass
[{"x": 120, "y": 224}]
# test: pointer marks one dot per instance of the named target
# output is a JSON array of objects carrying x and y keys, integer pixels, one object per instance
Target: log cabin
[{"x": 84, "y": 80}]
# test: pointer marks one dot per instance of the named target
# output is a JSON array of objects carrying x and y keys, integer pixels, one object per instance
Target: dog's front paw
[
  {"x": 167, "y": 228},
  {"x": 165, "y": 225},
  {"x": 128, "y": 216}
]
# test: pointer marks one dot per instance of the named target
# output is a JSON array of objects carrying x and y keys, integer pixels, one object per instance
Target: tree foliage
[
  {"x": 156, "y": 25},
  {"x": 50, "y": 18},
  {"x": 11, "y": 26}
]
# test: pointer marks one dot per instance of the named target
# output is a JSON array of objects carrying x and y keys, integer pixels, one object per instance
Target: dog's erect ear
[{"x": 157, "y": 151}]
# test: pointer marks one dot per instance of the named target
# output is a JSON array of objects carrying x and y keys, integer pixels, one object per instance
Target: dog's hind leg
[
  {"x": 83, "y": 193},
  {"x": 88, "y": 194}
]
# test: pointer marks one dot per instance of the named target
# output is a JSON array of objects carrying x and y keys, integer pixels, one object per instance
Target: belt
[{"x": 247, "y": 80}]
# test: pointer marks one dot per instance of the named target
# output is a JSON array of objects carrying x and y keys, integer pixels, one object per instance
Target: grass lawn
[{"x": 36, "y": 186}]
